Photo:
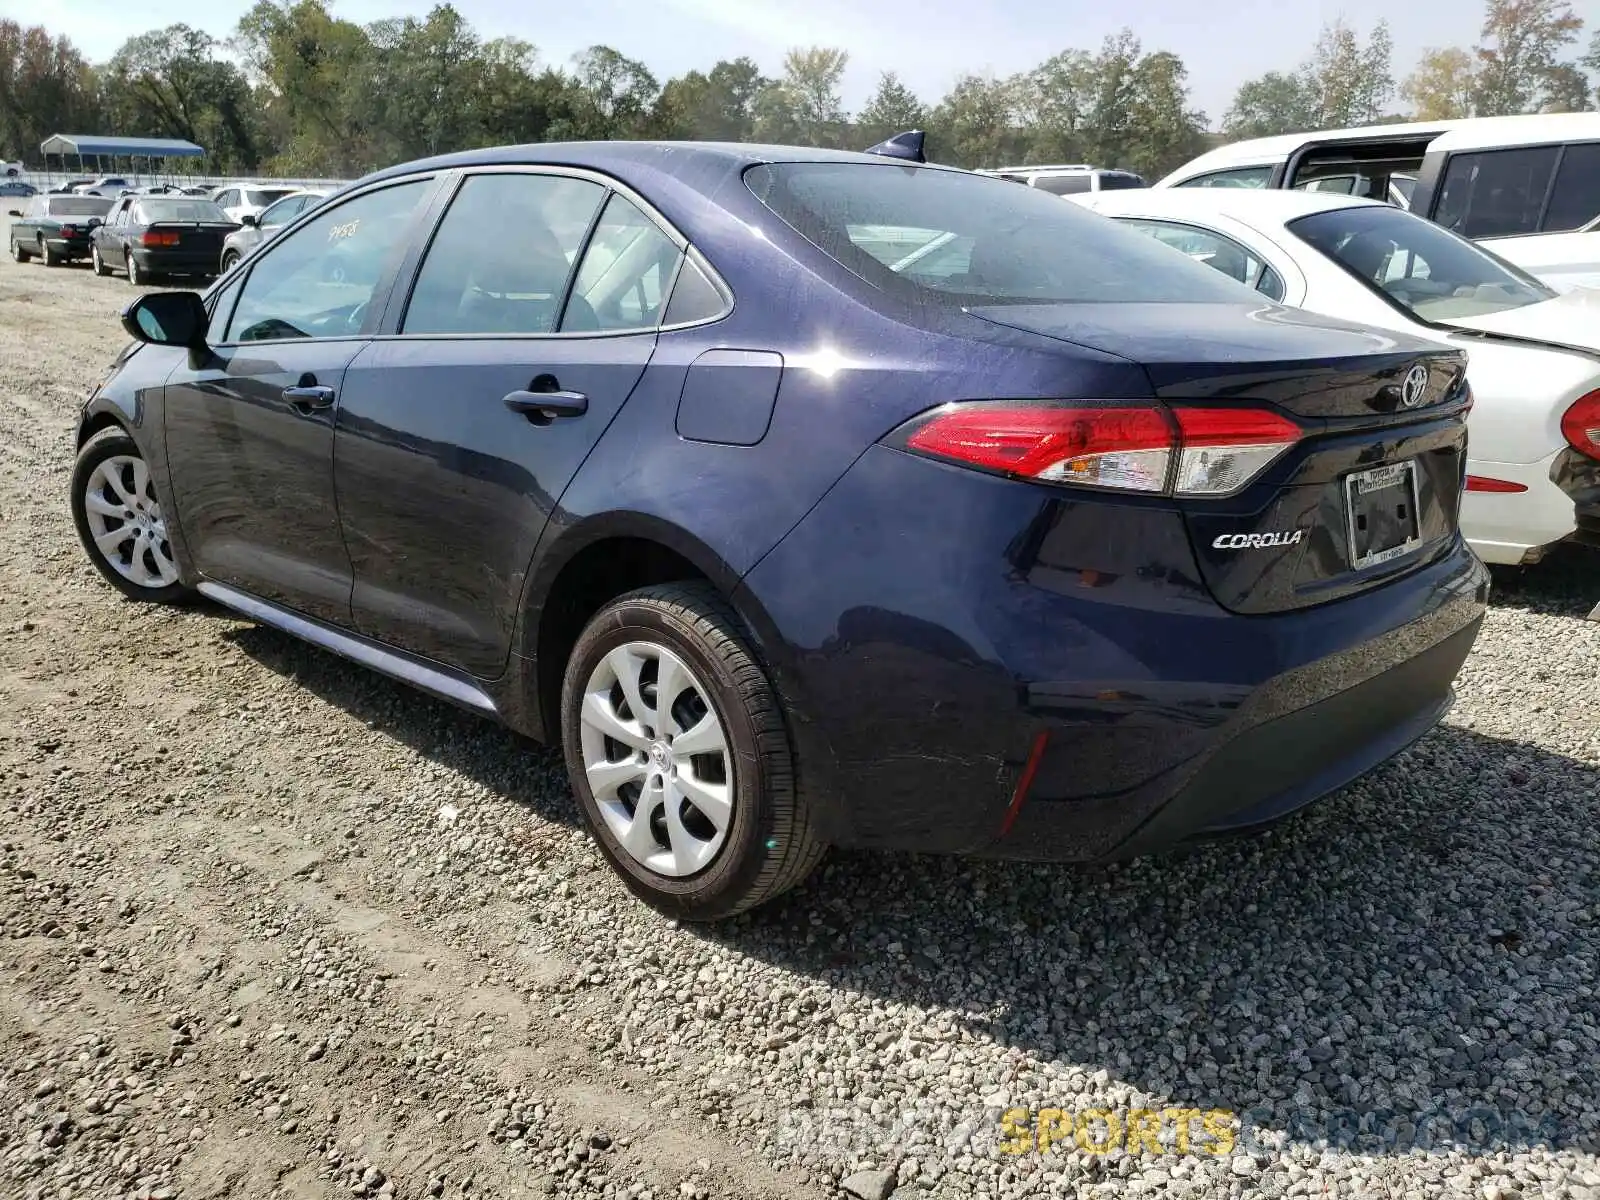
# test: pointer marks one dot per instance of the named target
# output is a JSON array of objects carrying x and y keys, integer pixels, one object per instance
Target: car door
[
  {"x": 459, "y": 432},
  {"x": 111, "y": 237},
  {"x": 249, "y": 422}
]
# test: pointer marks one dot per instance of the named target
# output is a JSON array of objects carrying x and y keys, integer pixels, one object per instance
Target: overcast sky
[{"x": 929, "y": 42}]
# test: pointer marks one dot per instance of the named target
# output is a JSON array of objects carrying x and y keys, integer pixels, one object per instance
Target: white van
[{"x": 1527, "y": 188}]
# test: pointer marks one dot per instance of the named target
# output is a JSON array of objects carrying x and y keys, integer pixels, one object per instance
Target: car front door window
[{"x": 319, "y": 280}]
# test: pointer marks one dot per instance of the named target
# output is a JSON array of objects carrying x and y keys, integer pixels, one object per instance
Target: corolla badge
[
  {"x": 1257, "y": 541},
  {"x": 1415, "y": 386}
]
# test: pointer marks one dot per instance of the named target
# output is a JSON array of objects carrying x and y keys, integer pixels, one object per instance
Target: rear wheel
[
  {"x": 18, "y": 253},
  {"x": 121, "y": 522},
  {"x": 136, "y": 276},
  {"x": 51, "y": 258},
  {"x": 677, "y": 749}
]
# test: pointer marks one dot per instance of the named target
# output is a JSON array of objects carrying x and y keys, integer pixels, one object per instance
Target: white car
[
  {"x": 240, "y": 200},
  {"x": 1526, "y": 187},
  {"x": 109, "y": 186},
  {"x": 1533, "y": 452}
]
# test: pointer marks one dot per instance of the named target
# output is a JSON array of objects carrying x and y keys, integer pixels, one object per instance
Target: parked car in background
[
  {"x": 110, "y": 186},
  {"x": 1069, "y": 179},
  {"x": 248, "y": 199},
  {"x": 150, "y": 236},
  {"x": 55, "y": 228},
  {"x": 1526, "y": 187},
  {"x": 1069, "y": 550},
  {"x": 12, "y": 188},
  {"x": 198, "y": 190},
  {"x": 12, "y": 170},
  {"x": 272, "y": 219},
  {"x": 70, "y": 187},
  {"x": 1533, "y": 467}
]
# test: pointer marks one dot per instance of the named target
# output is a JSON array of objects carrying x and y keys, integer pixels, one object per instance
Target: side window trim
[
  {"x": 373, "y": 306},
  {"x": 410, "y": 268}
]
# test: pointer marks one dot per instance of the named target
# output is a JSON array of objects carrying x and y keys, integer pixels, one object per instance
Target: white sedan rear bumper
[{"x": 1507, "y": 527}]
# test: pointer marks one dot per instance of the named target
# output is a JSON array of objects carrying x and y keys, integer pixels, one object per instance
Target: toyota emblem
[{"x": 1415, "y": 386}]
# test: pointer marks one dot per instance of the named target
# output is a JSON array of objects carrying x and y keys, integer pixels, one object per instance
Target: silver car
[{"x": 259, "y": 229}]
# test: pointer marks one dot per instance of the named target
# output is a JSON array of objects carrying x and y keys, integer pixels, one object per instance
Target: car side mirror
[
  {"x": 250, "y": 219},
  {"x": 167, "y": 319},
  {"x": 94, "y": 223}
]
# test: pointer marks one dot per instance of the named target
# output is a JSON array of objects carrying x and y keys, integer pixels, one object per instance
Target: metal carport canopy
[{"x": 120, "y": 147}]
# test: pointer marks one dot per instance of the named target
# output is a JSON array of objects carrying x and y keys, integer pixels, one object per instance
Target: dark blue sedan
[{"x": 807, "y": 499}]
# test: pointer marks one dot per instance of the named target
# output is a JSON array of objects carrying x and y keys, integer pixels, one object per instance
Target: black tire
[
  {"x": 135, "y": 276},
  {"x": 51, "y": 258},
  {"x": 772, "y": 843},
  {"x": 18, "y": 253},
  {"x": 108, "y": 444},
  {"x": 229, "y": 261},
  {"x": 95, "y": 261}
]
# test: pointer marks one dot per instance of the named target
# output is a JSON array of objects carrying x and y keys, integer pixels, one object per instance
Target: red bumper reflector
[
  {"x": 1024, "y": 782},
  {"x": 1482, "y": 483}
]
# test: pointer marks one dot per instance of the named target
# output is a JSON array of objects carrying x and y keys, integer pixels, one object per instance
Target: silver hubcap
[
  {"x": 657, "y": 759},
  {"x": 126, "y": 523}
]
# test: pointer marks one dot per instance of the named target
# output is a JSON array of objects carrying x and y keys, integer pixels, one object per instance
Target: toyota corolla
[{"x": 807, "y": 499}]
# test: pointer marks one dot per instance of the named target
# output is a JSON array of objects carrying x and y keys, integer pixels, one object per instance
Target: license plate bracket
[{"x": 1383, "y": 510}]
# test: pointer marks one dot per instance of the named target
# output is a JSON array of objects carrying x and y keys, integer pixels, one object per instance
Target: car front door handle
[
  {"x": 309, "y": 397},
  {"x": 543, "y": 407}
]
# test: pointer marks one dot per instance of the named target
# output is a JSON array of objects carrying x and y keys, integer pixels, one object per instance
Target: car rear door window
[
  {"x": 1063, "y": 185},
  {"x": 502, "y": 257},
  {"x": 317, "y": 280},
  {"x": 627, "y": 273},
  {"x": 1217, "y": 252},
  {"x": 1496, "y": 193},
  {"x": 1575, "y": 199}
]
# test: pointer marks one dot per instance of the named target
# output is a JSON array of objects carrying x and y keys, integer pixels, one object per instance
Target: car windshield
[
  {"x": 174, "y": 209},
  {"x": 79, "y": 206},
  {"x": 265, "y": 196},
  {"x": 953, "y": 237},
  {"x": 1418, "y": 265}
]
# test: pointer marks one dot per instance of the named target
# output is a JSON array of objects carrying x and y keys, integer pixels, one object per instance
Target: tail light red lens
[
  {"x": 158, "y": 238},
  {"x": 1184, "y": 451},
  {"x": 1580, "y": 425},
  {"x": 69, "y": 231}
]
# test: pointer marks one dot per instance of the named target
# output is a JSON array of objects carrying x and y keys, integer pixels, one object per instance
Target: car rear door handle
[
  {"x": 309, "y": 397},
  {"x": 544, "y": 407}
]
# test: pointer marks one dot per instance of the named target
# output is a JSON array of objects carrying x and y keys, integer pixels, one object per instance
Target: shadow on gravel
[
  {"x": 1566, "y": 583},
  {"x": 1410, "y": 963}
]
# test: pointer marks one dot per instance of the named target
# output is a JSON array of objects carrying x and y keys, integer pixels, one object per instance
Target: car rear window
[
  {"x": 149, "y": 211},
  {"x": 933, "y": 235},
  {"x": 79, "y": 206}
]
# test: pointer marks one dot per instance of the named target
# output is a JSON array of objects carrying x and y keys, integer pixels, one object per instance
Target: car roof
[
  {"x": 1276, "y": 204},
  {"x": 678, "y": 158}
]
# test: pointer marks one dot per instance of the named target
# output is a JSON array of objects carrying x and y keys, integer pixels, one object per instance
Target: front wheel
[
  {"x": 229, "y": 260},
  {"x": 677, "y": 749},
  {"x": 120, "y": 521},
  {"x": 95, "y": 261}
]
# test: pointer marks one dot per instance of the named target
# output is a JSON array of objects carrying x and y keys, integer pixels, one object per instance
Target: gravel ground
[{"x": 274, "y": 926}]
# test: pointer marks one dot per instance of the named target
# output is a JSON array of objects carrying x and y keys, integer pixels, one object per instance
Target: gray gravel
[{"x": 277, "y": 927}]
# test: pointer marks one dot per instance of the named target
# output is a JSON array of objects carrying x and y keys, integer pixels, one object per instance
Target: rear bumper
[
  {"x": 177, "y": 262},
  {"x": 1511, "y": 527},
  {"x": 935, "y": 624},
  {"x": 69, "y": 247}
]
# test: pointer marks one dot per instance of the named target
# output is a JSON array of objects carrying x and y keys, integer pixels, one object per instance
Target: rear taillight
[
  {"x": 1183, "y": 451},
  {"x": 156, "y": 238},
  {"x": 69, "y": 231},
  {"x": 1580, "y": 425}
]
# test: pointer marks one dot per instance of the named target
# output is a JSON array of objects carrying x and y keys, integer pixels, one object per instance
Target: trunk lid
[
  {"x": 196, "y": 236},
  {"x": 1372, "y": 489},
  {"x": 1571, "y": 319}
]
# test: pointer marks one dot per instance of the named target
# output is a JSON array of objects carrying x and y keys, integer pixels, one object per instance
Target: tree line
[{"x": 296, "y": 90}]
